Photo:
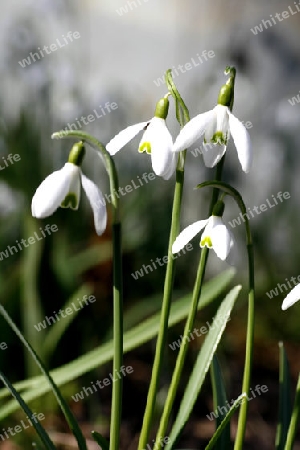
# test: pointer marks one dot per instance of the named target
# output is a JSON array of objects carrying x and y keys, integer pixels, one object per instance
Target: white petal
[
  {"x": 74, "y": 188},
  {"x": 291, "y": 298},
  {"x": 193, "y": 130},
  {"x": 222, "y": 118},
  {"x": 242, "y": 142},
  {"x": 221, "y": 239},
  {"x": 187, "y": 235},
  {"x": 160, "y": 139},
  {"x": 97, "y": 202},
  {"x": 122, "y": 138},
  {"x": 52, "y": 191},
  {"x": 212, "y": 153}
]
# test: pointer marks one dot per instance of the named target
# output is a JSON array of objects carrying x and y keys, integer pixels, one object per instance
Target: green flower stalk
[{"x": 116, "y": 410}]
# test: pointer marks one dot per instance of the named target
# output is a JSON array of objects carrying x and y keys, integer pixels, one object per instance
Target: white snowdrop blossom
[
  {"x": 216, "y": 125},
  {"x": 156, "y": 141},
  {"x": 62, "y": 189},
  {"x": 291, "y": 298},
  {"x": 215, "y": 236}
]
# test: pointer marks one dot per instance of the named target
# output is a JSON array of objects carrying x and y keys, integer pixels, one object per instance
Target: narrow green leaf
[
  {"x": 61, "y": 401},
  {"x": 219, "y": 431},
  {"x": 35, "y": 423},
  {"x": 104, "y": 444},
  {"x": 220, "y": 399},
  {"x": 285, "y": 406},
  {"x": 202, "y": 365},
  {"x": 133, "y": 338},
  {"x": 32, "y": 311}
]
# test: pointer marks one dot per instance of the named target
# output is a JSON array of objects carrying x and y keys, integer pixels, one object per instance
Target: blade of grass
[
  {"x": 219, "y": 431},
  {"x": 132, "y": 339},
  {"x": 291, "y": 435},
  {"x": 202, "y": 365},
  {"x": 35, "y": 423},
  {"x": 62, "y": 403},
  {"x": 285, "y": 406},
  {"x": 220, "y": 399},
  {"x": 103, "y": 443}
]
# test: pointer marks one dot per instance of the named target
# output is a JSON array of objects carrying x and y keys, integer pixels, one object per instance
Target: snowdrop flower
[
  {"x": 291, "y": 298},
  {"x": 215, "y": 234},
  {"x": 62, "y": 188},
  {"x": 217, "y": 125},
  {"x": 156, "y": 141}
]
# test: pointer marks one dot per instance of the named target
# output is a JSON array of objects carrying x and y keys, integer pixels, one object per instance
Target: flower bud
[{"x": 162, "y": 108}]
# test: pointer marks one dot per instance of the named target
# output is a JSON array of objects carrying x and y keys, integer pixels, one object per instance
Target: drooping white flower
[
  {"x": 291, "y": 298},
  {"x": 156, "y": 141},
  {"x": 216, "y": 125},
  {"x": 62, "y": 188},
  {"x": 215, "y": 235}
]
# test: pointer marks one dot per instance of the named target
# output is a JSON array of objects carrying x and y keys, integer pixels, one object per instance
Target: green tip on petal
[
  {"x": 145, "y": 147},
  {"x": 77, "y": 153},
  {"x": 219, "y": 138},
  {"x": 71, "y": 201},
  {"x": 162, "y": 108},
  {"x": 206, "y": 242},
  {"x": 218, "y": 209}
]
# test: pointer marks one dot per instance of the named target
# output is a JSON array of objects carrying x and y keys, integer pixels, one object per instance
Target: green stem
[
  {"x": 116, "y": 408},
  {"x": 166, "y": 303},
  {"x": 188, "y": 327},
  {"x": 251, "y": 298},
  {"x": 182, "y": 352},
  {"x": 294, "y": 420},
  {"x": 118, "y": 339},
  {"x": 183, "y": 117}
]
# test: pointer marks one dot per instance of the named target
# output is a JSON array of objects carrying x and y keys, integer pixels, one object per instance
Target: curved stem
[
  {"x": 251, "y": 298},
  {"x": 117, "y": 281}
]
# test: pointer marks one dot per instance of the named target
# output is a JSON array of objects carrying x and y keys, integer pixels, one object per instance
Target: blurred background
[{"x": 120, "y": 57}]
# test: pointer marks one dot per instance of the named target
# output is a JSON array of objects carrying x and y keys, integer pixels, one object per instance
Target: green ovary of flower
[
  {"x": 206, "y": 242},
  {"x": 71, "y": 201},
  {"x": 145, "y": 147},
  {"x": 219, "y": 138}
]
